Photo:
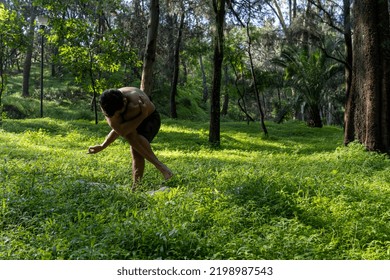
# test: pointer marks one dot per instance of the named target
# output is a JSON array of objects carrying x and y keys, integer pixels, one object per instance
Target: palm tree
[{"x": 308, "y": 73}]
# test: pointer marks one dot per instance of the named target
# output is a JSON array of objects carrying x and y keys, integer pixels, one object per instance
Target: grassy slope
[{"x": 294, "y": 195}]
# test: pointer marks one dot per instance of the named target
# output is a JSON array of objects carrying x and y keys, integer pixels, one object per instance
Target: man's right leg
[
  {"x": 138, "y": 166},
  {"x": 142, "y": 146}
]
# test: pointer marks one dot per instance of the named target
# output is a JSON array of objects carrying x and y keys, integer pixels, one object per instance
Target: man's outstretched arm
[{"x": 110, "y": 138}]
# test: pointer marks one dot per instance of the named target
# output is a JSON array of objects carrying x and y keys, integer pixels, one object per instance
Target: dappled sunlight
[{"x": 294, "y": 194}]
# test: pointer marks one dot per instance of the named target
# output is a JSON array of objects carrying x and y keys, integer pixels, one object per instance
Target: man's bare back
[{"x": 133, "y": 95}]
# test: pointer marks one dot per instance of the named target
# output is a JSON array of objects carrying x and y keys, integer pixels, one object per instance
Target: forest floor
[{"x": 297, "y": 194}]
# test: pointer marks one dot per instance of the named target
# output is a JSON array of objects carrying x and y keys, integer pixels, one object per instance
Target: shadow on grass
[
  {"x": 188, "y": 136},
  {"x": 293, "y": 137}
]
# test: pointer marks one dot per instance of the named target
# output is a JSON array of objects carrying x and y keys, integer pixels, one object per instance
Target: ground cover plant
[{"x": 297, "y": 194}]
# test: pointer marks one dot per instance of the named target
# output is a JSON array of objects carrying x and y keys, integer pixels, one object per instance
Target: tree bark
[
  {"x": 369, "y": 99},
  {"x": 314, "y": 116},
  {"x": 176, "y": 65},
  {"x": 215, "y": 110},
  {"x": 150, "y": 50}
]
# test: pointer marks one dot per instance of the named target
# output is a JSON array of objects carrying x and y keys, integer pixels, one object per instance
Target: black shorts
[{"x": 150, "y": 126}]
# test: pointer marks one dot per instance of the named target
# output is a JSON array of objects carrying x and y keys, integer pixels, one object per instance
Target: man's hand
[{"x": 95, "y": 149}]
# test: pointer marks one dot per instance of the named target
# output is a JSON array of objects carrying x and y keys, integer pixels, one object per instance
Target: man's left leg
[{"x": 140, "y": 144}]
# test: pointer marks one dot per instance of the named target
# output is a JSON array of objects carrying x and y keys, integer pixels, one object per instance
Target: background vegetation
[
  {"x": 100, "y": 45},
  {"x": 297, "y": 193}
]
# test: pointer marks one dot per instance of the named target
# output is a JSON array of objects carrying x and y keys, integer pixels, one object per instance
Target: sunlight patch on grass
[{"x": 297, "y": 194}]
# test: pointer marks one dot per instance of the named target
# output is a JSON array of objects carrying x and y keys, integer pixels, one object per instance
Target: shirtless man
[{"x": 131, "y": 114}]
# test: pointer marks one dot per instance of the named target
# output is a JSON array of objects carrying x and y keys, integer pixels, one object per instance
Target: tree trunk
[
  {"x": 2, "y": 82},
  {"x": 170, "y": 34},
  {"x": 349, "y": 106},
  {"x": 28, "y": 58},
  {"x": 314, "y": 116},
  {"x": 305, "y": 30},
  {"x": 150, "y": 50},
  {"x": 225, "y": 104},
  {"x": 214, "y": 132},
  {"x": 176, "y": 65},
  {"x": 369, "y": 99},
  {"x": 261, "y": 112},
  {"x": 204, "y": 80}
]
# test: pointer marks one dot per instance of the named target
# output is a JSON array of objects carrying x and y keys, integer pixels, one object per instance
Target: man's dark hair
[{"x": 111, "y": 101}]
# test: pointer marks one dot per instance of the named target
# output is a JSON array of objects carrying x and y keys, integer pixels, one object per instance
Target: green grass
[
  {"x": 62, "y": 98},
  {"x": 297, "y": 194}
]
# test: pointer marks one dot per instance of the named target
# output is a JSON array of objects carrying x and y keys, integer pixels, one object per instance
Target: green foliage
[
  {"x": 189, "y": 103},
  {"x": 92, "y": 51},
  {"x": 65, "y": 104},
  {"x": 10, "y": 32},
  {"x": 294, "y": 195},
  {"x": 11, "y": 38},
  {"x": 307, "y": 73}
]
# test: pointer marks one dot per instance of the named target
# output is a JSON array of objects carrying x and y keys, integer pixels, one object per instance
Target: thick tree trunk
[
  {"x": 369, "y": 98},
  {"x": 215, "y": 110},
  {"x": 150, "y": 50},
  {"x": 314, "y": 116}
]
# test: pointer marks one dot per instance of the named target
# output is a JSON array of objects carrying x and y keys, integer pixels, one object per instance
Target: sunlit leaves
[
  {"x": 11, "y": 34},
  {"x": 90, "y": 44},
  {"x": 11, "y": 38}
]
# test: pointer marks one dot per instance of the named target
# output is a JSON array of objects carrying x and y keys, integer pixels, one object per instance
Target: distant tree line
[{"x": 324, "y": 62}]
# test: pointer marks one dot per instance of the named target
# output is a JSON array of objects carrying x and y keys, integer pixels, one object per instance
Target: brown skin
[{"x": 124, "y": 122}]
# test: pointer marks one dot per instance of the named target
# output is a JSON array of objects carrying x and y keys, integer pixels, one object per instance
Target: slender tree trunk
[
  {"x": 349, "y": 105},
  {"x": 242, "y": 97},
  {"x": 176, "y": 65},
  {"x": 2, "y": 82},
  {"x": 225, "y": 104},
  {"x": 371, "y": 75},
  {"x": 204, "y": 80},
  {"x": 169, "y": 66},
  {"x": 305, "y": 33},
  {"x": 183, "y": 77},
  {"x": 257, "y": 95},
  {"x": 214, "y": 132},
  {"x": 150, "y": 50},
  {"x": 28, "y": 58},
  {"x": 295, "y": 7}
]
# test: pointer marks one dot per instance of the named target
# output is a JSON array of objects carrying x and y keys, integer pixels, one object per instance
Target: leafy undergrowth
[{"x": 297, "y": 194}]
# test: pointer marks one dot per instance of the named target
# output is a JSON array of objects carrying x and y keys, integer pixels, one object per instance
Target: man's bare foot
[{"x": 168, "y": 174}]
